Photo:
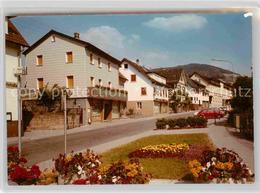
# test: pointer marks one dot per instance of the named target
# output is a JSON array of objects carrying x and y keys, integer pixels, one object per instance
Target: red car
[{"x": 211, "y": 113}]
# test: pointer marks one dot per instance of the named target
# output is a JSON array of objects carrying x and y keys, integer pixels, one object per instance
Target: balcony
[{"x": 107, "y": 93}]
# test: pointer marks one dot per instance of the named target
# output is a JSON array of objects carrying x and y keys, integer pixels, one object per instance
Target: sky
[{"x": 157, "y": 40}]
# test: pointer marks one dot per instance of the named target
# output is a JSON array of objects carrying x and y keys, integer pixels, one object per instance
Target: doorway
[{"x": 107, "y": 110}]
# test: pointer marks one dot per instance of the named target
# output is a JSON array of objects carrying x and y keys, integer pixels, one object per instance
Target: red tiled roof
[{"x": 15, "y": 36}]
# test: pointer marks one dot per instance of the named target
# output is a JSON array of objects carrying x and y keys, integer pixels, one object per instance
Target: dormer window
[{"x": 125, "y": 66}]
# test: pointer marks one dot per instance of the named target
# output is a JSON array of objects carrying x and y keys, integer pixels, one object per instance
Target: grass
[{"x": 160, "y": 168}]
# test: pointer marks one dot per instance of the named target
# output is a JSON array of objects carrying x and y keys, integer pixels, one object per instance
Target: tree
[
  {"x": 243, "y": 95},
  {"x": 49, "y": 96}
]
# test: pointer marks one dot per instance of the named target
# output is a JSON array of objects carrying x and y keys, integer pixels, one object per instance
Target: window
[
  {"x": 39, "y": 60},
  {"x": 92, "y": 81},
  {"x": 69, "y": 57},
  {"x": 139, "y": 105},
  {"x": 99, "y": 82},
  {"x": 70, "y": 82},
  {"x": 143, "y": 91},
  {"x": 99, "y": 63},
  {"x": 109, "y": 84},
  {"x": 109, "y": 67},
  {"x": 40, "y": 83},
  {"x": 91, "y": 61},
  {"x": 53, "y": 38},
  {"x": 126, "y": 65},
  {"x": 133, "y": 78}
]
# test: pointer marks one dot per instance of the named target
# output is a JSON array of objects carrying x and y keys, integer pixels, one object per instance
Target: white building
[
  {"x": 220, "y": 93},
  {"x": 15, "y": 44},
  {"x": 89, "y": 72},
  {"x": 147, "y": 91}
]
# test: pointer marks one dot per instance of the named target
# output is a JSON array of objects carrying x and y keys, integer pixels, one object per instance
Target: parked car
[{"x": 214, "y": 113}]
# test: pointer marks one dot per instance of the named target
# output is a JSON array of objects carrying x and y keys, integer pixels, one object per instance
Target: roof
[
  {"x": 212, "y": 81},
  {"x": 143, "y": 71},
  {"x": 88, "y": 45},
  {"x": 122, "y": 76},
  {"x": 172, "y": 76},
  {"x": 14, "y": 35},
  {"x": 195, "y": 84}
]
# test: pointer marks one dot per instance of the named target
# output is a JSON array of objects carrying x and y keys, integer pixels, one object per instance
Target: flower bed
[
  {"x": 180, "y": 123},
  {"x": 160, "y": 151},
  {"x": 75, "y": 168},
  {"x": 220, "y": 166}
]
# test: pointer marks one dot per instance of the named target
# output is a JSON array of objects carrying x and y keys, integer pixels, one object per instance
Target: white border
[{"x": 21, "y": 7}]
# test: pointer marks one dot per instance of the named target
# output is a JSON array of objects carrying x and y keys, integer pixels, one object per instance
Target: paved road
[{"x": 44, "y": 149}]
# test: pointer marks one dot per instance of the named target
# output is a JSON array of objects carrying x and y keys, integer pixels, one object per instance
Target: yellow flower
[{"x": 68, "y": 157}]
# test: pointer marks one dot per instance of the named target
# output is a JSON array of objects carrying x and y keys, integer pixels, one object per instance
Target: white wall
[
  {"x": 134, "y": 88},
  {"x": 55, "y": 69},
  {"x": 11, "y": 63}
]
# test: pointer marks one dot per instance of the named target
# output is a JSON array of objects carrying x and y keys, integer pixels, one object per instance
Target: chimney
[
  {"x": 76, "y": 35},
  {"x": 137, "y": 61}
]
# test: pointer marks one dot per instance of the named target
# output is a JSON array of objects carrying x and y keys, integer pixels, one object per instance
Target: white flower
[
  {"x": 92, "y": 165},
  {"x": 99, "y": 162},
  {"x": 114, "y": 179},
  {"x": 99, "y": 177},
  {"x": 80, "y": 170},
  {"x": 213, "y": 159},
  {"x": 230, "y": 181},
  {"x": 208, "y": 164},
  {"x": 203, "y": 169},
  {"x": 250, "y": 172},
  {"x": 213, "y": 163}
]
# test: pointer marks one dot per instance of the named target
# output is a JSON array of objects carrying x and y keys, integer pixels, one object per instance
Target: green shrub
[
  {"x": 181, "y": 122},
  {"x": 161, "y": 123},
  {"x": 172, "y": 123}
]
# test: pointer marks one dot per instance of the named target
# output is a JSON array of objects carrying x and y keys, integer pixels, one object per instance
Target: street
[{"x": 40, "y": 150}]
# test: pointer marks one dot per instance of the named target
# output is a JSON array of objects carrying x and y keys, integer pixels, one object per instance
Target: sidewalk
[{"x": 41, "y": 134}]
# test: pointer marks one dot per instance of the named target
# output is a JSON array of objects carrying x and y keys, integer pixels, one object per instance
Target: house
[
  {"x": 182, "y": 87},
  {"x": 220, "y": 93},
  {"x": 15, "y": 44},
  {"x": 147, "y": 91},
  {"x": 91, "y": 74},
  {"x": 198, "y": 94}
]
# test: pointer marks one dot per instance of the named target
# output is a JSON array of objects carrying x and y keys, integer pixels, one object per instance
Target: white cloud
[
  {"x": 105, "y": 37},
  {"x": 178, "y": 23},
  {"x": 119, "y": 45},
  {"x": 110, "y": 39}
]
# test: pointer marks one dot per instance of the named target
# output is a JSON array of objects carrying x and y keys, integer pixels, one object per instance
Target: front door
[{"x": 107, "y": 110}]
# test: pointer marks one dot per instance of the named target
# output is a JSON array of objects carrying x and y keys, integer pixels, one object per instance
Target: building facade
[
  {"x": 88, "y": 72},
  {"x": 220, "y": 93},
  {"x": 147, "y": 91},
  {"x": 15, "y": 44}
]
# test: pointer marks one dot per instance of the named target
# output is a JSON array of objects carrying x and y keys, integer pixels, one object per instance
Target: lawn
[{"x": 159, "y": 168}]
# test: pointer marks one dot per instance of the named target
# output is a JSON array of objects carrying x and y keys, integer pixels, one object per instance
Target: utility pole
[{"x": 65, "y": 120}]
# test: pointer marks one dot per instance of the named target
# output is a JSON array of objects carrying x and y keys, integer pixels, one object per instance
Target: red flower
[
  {"x": 210, "y": 177},
  {"x": 79, "y": 182},
  {"x": 23, "y": 160},
  {"x": 13, "y": 149}
]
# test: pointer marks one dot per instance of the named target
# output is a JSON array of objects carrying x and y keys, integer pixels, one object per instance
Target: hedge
[{"x": 180, "y": 123}]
